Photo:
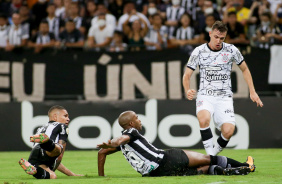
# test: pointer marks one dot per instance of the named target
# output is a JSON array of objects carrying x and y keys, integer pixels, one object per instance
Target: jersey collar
[{"x": 215, "y": 50}]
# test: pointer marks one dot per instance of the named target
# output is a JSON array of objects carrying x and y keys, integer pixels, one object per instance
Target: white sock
[
  {"x": 208, "y": 144},
  {"x": 217, "y": 148}
]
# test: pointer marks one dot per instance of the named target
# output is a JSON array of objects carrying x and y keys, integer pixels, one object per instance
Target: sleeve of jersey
[
  {"x": 64, "y": 133},
  {"x": 132, "y": 133},
  {"x": 193, "y": 60},
  {"x": 238, "y": 57}
]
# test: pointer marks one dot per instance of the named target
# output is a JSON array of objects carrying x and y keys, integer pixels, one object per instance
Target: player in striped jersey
[
  {"x": 151, "y": 161},
  {"x": 49, "y": 146}
]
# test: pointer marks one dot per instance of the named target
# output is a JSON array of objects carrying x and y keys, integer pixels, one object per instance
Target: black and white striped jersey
[
  {"x": 55, "y": 131},
  {"x": 140, "y": 153},
  {"x": 173, "y": 14},
  {"x": 54, "y": 25},
  {"x": 190, "y": 7},
  {"x": 187, "y": 33}
]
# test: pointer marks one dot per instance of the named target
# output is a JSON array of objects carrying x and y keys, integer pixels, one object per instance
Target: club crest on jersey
[{"x": 225, "y": 58}]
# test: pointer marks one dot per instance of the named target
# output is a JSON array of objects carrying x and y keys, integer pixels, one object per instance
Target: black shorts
[
  {"x": 174, "y": 163},
  {"x": 38, "y": 157}
]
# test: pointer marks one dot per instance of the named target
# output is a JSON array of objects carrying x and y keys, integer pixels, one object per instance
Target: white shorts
[{"x": 220, "y": 108}]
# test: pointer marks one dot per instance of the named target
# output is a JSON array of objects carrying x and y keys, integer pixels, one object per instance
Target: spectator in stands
[
  {"x": 43, "y": 38},
  {"x": 74, "y": 15},
  {"x": 142, "y": 6},
  {"x": 110, "y": 19},
  {"x": 190, "y": 7},
  {"x": 258, "y": 7},
  {"x": 56, "y": 25},
  {"x": 39, "y": 11},
  {"x": 156, "y": 38},
  {"x": 152, "y": 10},
  {"x": 60, "y": 9},
  {"x": 135, "y": 33},
  {"x": 241, "y": 12},
  {"x": 26, "y": 21},
  {"x": 129, "y": 8},
  {"x": 10, "y": 7},
  {"x": 117, "y": 44},
  {"x": 162, "y": 7},
  {"x": 185, "y": 36},
  {"x": 70, "y": 37},
  {"x": 100, "y": 35},
  {"x": 65, "y": 14},
  {"x": 235, "y": 34},
  {"x": 17, "y": 35},
  {"x": 173, "y": 15},
  {"x": 205, "y": 8},
  {"x": 204, "y": 33},
  {"x": 278, "y": 16},
  {"x": 3, "y": 30},
  {"x": 267, "y": 33},
  {"x": 116, "y": 8},
  {"x": 90, "y": 13}
]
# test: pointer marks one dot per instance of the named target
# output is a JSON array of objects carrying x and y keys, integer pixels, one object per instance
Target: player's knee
[
  {"x": 228, "y": 131},
  {"x": 204, "y": 122}
]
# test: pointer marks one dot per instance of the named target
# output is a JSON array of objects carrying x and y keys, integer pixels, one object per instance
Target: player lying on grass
[
  {"x": 49, "y": 147},
  {"x": 151, "y": 161}
]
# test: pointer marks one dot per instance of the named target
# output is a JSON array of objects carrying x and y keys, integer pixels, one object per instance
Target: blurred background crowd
[{"x": 122, "y": 25}]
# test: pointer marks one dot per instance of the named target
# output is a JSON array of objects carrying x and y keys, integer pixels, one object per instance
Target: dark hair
[
  {"x": 51, "y": 4},
  {"x": 3, "y": 16},
  {"x": 44, "y": 22},
  {"x": 220, "y": 26},
  {"x": 156, "y": 14},
  {"x": 210, "y": 15},
  {"x": 120, "y": 33},
  {"x": 55, "y": 107},
  {"x": 231, "y": 13},
  {"x": 189, "y": 16},
  {"x": 70, "y": 20},
  {"x": 267, "y": 14}
]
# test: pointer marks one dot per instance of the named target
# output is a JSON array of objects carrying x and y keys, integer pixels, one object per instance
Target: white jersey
[{"x": 215, "y": 68}]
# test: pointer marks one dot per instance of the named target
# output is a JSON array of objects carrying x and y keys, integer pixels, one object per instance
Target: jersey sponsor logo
[
  {"x": 63, "y": 130},
  {"x": 227, "y": 111},
  {"x": 212, "y": 75}
]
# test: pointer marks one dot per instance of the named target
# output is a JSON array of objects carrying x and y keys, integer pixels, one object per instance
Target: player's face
[
  {"x": 63, "y": 117},
  {"x": 137, "y": 122},
  {"x": 217, "y": 38}
]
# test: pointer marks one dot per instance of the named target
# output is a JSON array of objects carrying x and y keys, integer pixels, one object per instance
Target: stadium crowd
[{"x": 120, "y": 25}]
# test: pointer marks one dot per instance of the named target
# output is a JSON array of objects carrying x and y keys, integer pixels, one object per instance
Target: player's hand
[
  {"x": 105, "y": 145},
  {"x": 255, "y": 98},
  {"x": 78, "y": 175},
  {"x": 190, "y": 94}
]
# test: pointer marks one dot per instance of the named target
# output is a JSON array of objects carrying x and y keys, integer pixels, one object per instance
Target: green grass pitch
[{"x": 118, "y": 171}]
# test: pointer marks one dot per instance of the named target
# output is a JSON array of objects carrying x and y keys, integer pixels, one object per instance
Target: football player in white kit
[{"x": 214, "y": 97}]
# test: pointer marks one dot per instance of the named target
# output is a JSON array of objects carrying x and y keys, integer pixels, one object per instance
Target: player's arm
[
  {"x": 115, "y": 142},
  {"x": 102, "y": 154},
  {"x": 248, "y": 78},
  {"x": 189, "y": 93}
]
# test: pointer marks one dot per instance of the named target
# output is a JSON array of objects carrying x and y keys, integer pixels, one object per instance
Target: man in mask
[
  {"x": 173, "y": 15},
  {"x": 110, "y": 19},
  {"x": 100, "y": 34}
]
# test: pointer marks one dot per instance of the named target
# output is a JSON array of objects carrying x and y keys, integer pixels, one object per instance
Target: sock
[
  {"x": 48, "y": 146},
  {"x": 223, "y": 162},
  {"x": 41, "y": 174},
  {"x": 207, "y": 140},
  {"x": 215, "y": 170},
  {"x": 220, "y": 144}
]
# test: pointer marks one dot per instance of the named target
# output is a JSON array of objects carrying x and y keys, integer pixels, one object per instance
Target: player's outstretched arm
[
  {"x": 124, "y": 139},
  {"x": 66, "y": 171},
  {"x": 248, "y": 78},
  {"x": 102, "y": 154}
]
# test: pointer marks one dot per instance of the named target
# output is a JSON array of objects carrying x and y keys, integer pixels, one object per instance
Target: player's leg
[
  {"x": 227, "y": 130},
  {"x": 204, "y": 113},
  {"x": 47, "y": 144},
  {"x": 40, "y": 172},
  {"x": 204, "y": 118},
  {"x": 224, "y": 121},
  {"x": 199, "y": 160}
]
